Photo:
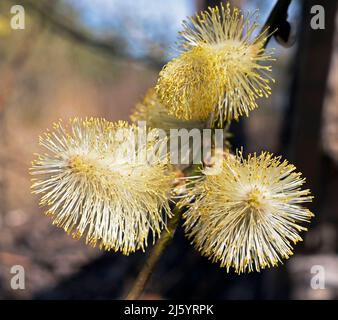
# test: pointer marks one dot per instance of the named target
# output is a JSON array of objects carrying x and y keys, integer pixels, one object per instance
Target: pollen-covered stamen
[
  {"x": 78, "y": 164},
  {"x": 255, "y": 199}
]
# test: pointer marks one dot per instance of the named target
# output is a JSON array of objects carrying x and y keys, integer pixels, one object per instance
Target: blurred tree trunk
[
  {"x": 301, "y": 133},
  {"x": 303, "y": 119},
  {"x": 329, "y": 140}
]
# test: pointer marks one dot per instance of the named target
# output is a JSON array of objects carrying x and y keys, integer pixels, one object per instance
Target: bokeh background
[{"x": 98, "y": 58}]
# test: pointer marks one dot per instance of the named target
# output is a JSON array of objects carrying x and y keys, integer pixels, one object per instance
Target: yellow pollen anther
[{"x": 255, "y": 198}]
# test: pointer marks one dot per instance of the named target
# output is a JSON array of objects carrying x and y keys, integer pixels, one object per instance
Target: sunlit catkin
[
  {"x": 249, "y": 215},
  {"x": 156, "y": 115},
  {"x": 95, "y": 182},
  {"x": 223, "y": 67}
]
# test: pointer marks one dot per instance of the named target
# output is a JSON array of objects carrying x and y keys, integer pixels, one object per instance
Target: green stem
[{"x": 154, "y": 256}]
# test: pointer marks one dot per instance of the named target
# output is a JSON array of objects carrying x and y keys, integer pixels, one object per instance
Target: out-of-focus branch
[
  {"x": 277, "y": 22},
  {"x": 114, "y": 47}
]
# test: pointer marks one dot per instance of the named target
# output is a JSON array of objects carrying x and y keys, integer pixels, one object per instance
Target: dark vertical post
[{"x": 308, "y": 93}]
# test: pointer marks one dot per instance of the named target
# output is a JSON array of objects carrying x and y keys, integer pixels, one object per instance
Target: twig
[
  {"x": 114, "y": 47},
  {"x": 154, "y": 256},
  {"x": 276, "y": 18}
]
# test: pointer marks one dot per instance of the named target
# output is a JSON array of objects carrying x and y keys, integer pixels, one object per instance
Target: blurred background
[{"x": 98, "y": 58}]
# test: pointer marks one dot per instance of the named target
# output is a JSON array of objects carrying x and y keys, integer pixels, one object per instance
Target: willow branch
[
  {"x": 276, "y": 17},
  {"x": 278, "y": 14},
  {"x": 154, "y": 256},
  {"x": 114, "y": 47}
]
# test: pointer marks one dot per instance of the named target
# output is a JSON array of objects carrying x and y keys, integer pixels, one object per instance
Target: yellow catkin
[
  {"x": 156, "y": 115},
  {"x": 94, "y": 185},
  {"x": 222, "y": 67},
  {"x": 248, "y": 215}
]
